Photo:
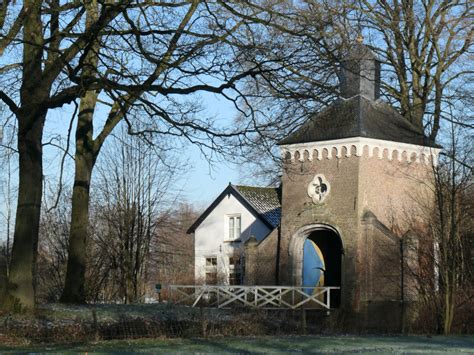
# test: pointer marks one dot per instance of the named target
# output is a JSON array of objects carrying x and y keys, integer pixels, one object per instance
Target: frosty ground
[
  {"x": 270, "y": 344},
  {"x": 167, "y": 328}
]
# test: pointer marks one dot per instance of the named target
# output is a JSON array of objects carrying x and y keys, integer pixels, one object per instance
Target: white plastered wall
[{"x": 210, "y": 238}]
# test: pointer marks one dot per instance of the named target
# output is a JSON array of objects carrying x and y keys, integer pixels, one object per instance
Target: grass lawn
[{"x": 281, "y": 344}]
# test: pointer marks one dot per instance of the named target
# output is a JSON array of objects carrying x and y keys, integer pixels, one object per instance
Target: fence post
[
  {"x": 203, "y": 322},
  {"x": 95, "y": 326}
]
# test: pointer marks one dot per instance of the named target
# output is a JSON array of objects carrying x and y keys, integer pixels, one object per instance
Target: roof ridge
[
  {"x": 260, "y": 187},
  {"x": 270, "y": 217}
]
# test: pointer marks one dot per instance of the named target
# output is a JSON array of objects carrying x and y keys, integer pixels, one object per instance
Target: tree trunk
[
  {"x": 21, "y": 294},
  {"x": 74, "y": 287},
  {"x": 86, "y": 153},
  {"x": 3, "y": 276},
  {"x": 448, "y": 310}
]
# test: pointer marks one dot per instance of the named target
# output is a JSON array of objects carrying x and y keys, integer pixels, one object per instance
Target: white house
[{"x": 238, "y": 213}]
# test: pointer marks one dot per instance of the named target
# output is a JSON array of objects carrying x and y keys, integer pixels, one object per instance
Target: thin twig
[{"x": 63, "y": 159}]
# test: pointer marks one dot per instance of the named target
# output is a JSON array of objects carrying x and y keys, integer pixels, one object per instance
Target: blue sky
[
  {"x": 202, "y": 182},
  {"x": 205, "y": 182}
]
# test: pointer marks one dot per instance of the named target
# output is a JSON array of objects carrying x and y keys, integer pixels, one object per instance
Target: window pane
[
  {"x": 231, "y": 227},
  {"x": 237, "y": 227},
  {"x": 211, "y": 262}
]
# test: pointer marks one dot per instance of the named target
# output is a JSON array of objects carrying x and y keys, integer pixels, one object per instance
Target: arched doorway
[{"x": 317, "y": 253}]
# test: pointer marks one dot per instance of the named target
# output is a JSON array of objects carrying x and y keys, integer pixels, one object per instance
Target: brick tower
[{"x": 352, "y": 176}]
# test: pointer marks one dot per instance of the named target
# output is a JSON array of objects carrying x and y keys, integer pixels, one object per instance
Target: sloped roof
[
  {"x": 358, "y": 117},
  {"x": 263, "y": 202}
]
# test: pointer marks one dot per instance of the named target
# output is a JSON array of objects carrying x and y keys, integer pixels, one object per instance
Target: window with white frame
[{"x": 233, "y": 227}]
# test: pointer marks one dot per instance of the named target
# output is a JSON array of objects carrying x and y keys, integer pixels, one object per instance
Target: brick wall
[
  {"x": 371, "y": 204},
  {"x": 261, "y": 261},
  {"x": 339, "y": 210}
]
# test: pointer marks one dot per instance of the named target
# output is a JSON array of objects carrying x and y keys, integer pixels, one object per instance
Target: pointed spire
[{"x": 360, "y": 72}]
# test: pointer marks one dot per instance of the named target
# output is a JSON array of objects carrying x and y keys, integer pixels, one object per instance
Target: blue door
[{"x": 313, "y": 266}]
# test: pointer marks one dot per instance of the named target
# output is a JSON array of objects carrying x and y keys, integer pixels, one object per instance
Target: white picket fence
[{"x": 263, "y": 297}]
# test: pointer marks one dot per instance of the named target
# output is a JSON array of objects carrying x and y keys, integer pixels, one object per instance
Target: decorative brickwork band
[{"x": 341, "y": 148}]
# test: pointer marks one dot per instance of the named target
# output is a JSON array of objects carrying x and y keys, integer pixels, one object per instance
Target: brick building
[{"x": 352, "y": 177}]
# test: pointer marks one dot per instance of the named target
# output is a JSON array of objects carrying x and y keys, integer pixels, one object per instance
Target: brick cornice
[{"x": 356, "y": 145}]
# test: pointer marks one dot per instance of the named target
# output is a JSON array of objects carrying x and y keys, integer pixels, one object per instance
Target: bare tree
[
  {"x": 171, "y": 259},
  {"x": 425, "y": 47},
  {"x": 135, "y": 184},
  {"x": 129, "y": 202},
  {"x": 42, "y": 45},
  {"x": 307, "y": 84},
  {"x": 7, "y": 184},
  {"x": 440, "y": 259},
  {"x": 198, "y": 47},
  {"x": 453, "y": 225},
  {"x": 53, "y": 246},
  {"x": 115, "y": 52}
]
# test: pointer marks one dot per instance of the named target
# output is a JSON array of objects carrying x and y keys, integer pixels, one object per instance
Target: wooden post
[
  {"x": 95, "y": 325},
  {"x": 203, "y": 322}
]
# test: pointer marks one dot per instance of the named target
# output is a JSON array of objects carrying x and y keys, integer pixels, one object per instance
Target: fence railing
[{"x": 263, "y": 297}]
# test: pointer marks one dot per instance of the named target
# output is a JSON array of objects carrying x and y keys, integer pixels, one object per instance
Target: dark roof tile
[{"x": 265, "y": 200}]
